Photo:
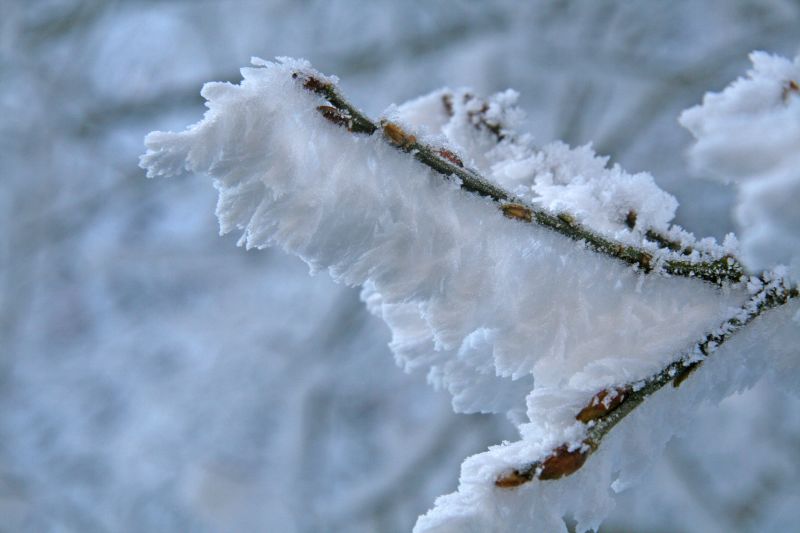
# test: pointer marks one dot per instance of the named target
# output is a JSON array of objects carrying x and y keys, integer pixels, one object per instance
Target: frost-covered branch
[
  {"x": 723, "y": 270},
  {"x": 594, "y": 291},
  {"x": 609, "y": 407}
]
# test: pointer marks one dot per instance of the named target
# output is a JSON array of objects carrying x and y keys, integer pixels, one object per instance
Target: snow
[{"x": 750, "y": 134}]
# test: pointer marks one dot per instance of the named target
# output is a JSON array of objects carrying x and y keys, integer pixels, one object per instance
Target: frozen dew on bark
[{"x": 535, "y": 282}]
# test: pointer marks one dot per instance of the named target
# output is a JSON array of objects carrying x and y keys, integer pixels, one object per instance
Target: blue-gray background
[{"x": 154, "y": 377}]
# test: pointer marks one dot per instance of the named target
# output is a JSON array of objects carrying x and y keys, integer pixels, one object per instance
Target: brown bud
[
  {"x": 602, "y": 404},
  {"x": 450, "y": 156},
  {"x": 558, "y": 464},
  {"x": 447, "y": 102},
  {"x": 518, "y": 211},
  {"x": 566, "y": 218},
  {"x": 397, "y": 136},
  {"x": 646, "y": 262},
  {"x": 630, "y": 219},
  {"x": 515, "y": 478},
  {"x": 562, "y": 463},
  {"x": 684, "y": 373},
  {"x": 313, "y": 84},
  {"x": 790, "y": 87},
  {"x": 336, "y": 116}
]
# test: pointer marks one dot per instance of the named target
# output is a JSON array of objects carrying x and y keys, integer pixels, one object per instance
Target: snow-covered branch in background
[
  {"x": 531, "y": 281},
  {"x": 750, "y": 134}
]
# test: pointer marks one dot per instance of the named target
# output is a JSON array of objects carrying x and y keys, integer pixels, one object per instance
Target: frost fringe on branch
[
  {"x": 609, "y": 406},
  {"x": 670, "y": 257},
  {"x": 565, "y": 318}
]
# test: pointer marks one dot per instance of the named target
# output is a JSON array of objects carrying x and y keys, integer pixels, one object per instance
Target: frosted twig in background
[{"x": 750, "y": 134}]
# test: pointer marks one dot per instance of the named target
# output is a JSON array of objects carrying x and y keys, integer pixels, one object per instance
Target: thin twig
[{"x": 719, "y": 272}]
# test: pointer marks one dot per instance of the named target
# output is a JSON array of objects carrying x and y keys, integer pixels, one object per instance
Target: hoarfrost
[
  {"x": 508, "y": 317},
  {"x": 612, "y": 202}
]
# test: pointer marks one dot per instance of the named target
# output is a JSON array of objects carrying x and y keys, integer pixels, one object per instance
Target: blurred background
[{"x": 154, "y": 377}]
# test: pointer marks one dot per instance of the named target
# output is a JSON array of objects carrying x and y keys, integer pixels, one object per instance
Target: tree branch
[
  {"x": 716, "y": 271},
  {"x": 608, "y": 407}
]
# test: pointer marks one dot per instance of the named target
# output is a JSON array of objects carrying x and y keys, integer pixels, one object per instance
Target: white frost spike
[{"x": 489, "y": 305}]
